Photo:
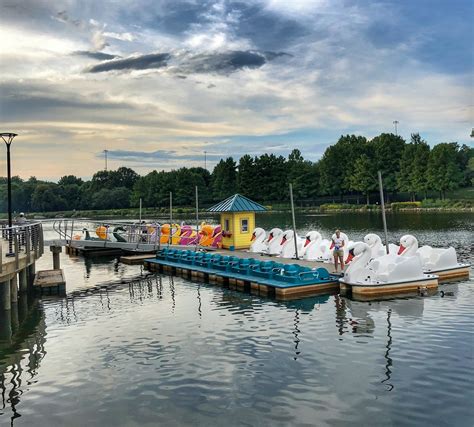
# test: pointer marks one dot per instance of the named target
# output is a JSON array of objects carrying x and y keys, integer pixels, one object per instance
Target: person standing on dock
[{"x": 338, "y": 252}]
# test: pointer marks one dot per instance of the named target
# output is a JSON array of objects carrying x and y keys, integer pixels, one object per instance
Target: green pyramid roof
[{"x": 237, "y": 203}]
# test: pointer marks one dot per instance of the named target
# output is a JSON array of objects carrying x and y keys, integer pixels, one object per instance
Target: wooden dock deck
[{"x": 50, "y": 282}]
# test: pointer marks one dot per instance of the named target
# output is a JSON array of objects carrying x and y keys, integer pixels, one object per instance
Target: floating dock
[
  {"x": 285, "y": 281},
  {"x": 134, "y": 259},
  {"x": 50, "y": 282}
]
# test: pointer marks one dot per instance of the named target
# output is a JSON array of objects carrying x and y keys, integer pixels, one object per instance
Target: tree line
[{"x": 348, "y": 167}]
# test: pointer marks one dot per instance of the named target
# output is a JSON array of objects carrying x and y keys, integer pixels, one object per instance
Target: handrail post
[
  {"x": 28, "y": 244},
  {"x": 35, "y": 243},
  {"x": 41, "y": 239},
  {"x": 17, "y": 261}
]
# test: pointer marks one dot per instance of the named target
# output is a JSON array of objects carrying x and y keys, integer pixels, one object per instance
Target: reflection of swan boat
[
  {"x": 386, "y": 275},
  {"x": 440, "y": 261}
]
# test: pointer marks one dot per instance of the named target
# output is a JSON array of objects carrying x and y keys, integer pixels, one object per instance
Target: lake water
[{"x": 127, "y": 349}]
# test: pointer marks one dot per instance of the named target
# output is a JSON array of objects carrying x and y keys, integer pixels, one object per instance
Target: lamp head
[{"x": 8, "y": 137}]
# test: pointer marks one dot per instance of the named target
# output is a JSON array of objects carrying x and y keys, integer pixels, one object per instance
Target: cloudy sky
[{"x": 158, "y": 82}]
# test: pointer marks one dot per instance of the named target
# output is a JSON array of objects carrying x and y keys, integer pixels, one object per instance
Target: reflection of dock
[{"x": 22, "y": 339}]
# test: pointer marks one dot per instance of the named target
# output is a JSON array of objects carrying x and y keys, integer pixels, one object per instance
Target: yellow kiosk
[{"x": 237, "y": 220}]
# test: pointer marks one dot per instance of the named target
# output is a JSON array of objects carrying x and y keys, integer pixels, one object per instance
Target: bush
[
  {"x": 336, "y": 206},
  {"x": 405, "y": 205}
]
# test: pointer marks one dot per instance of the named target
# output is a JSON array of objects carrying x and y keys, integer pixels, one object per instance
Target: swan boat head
[
  {"x": 258, "y": 233},
  {"x": 408, "y": 245},
  {"x": 312, "y": 236},
  {"x": 275, "y": 233},
  {"x": 373, "y": 240},
  {"x": 288, "y": 235}
]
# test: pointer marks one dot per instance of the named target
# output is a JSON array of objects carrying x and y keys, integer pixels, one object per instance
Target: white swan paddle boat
[
  {"x": 316, "y": 248},
  {"x": 377, "y": 248},
  {"x": 259, "y": 241},
  {"x": 288, "y": 244},
  {"x": 273, "y": 241},
  {"x": 385, "y": 275},
  {"x": 440, "y": 261}
]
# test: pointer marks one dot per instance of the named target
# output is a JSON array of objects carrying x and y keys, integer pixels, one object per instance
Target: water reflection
[
  {"x": 22, "y": 340},
  {"x": 388, "y": 365},
  {"x": 203, "y": 351}
]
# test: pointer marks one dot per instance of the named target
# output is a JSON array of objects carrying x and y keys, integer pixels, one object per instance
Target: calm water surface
[{"x": 127, "y": 349}]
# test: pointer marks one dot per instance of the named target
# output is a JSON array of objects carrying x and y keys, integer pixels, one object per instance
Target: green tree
[
  {"x": 412, "y": 177},
  {"x": 111, "y": 198},
  {"x": 46, "y": 197},
  {"x": 246, "y": 177},
  {"x": 224, "y": 178},
  {"x": 271, "y": 178},
  {"x": 465, "y": 154},
  {"x": 364, "y": 176},
  {"x": 443, "y": 169},
  {"x": 388, "y": 150},
  {"x": 70, "y": 180},
  {"x": 337, "y": 164}
]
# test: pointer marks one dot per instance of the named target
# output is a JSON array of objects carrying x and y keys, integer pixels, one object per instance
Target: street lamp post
[
  {"x": 205, "y": 160},
  {"x": 395, "y": 122},
  {"x": 8, "y": 139},
  {"x": 105, "y": 153}
]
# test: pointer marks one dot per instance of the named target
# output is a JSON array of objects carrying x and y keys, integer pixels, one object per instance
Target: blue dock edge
[{"x": 285, "y": 281}]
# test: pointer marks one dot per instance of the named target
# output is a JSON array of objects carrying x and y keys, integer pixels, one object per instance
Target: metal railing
[
  {"x": 130, "y": 232},
  {"x": 135, "y": 233},
  {"x": 21, "y": 240}
]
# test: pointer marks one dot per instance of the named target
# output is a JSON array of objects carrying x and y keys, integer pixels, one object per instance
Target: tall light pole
[
  {"x": 205, "y": 160},
  {"x": 8, "y": 139},
  {"x": 105, "y": 154},
  {"x": 395, "y": 123}
]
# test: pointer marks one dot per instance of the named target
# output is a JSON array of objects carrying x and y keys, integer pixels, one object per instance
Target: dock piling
[
  {"x": 14, "y": 289},
  {"x": 56, "y": 250},
  {"x": 23, "y": 281},
  {"x": 5, "y": 295}
]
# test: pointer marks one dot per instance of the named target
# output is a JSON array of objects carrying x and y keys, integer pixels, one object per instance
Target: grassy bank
[
  {"x": 429, "y": 205},
  {"x": 425, "y": 205}
]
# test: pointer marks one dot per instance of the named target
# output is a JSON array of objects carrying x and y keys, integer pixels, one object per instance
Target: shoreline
[{"x": 133, "y": 212}]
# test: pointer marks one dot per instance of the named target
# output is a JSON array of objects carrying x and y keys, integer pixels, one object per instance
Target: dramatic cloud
[
  {"x": 225, "y": 62},
  {"x": 211, "y": 63},
  {"x": 101, "y": 56},
  {"x": 157, "y": 156},
  {"x": 143, "y": 62},
  {"x": 228, "y": 77}
]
